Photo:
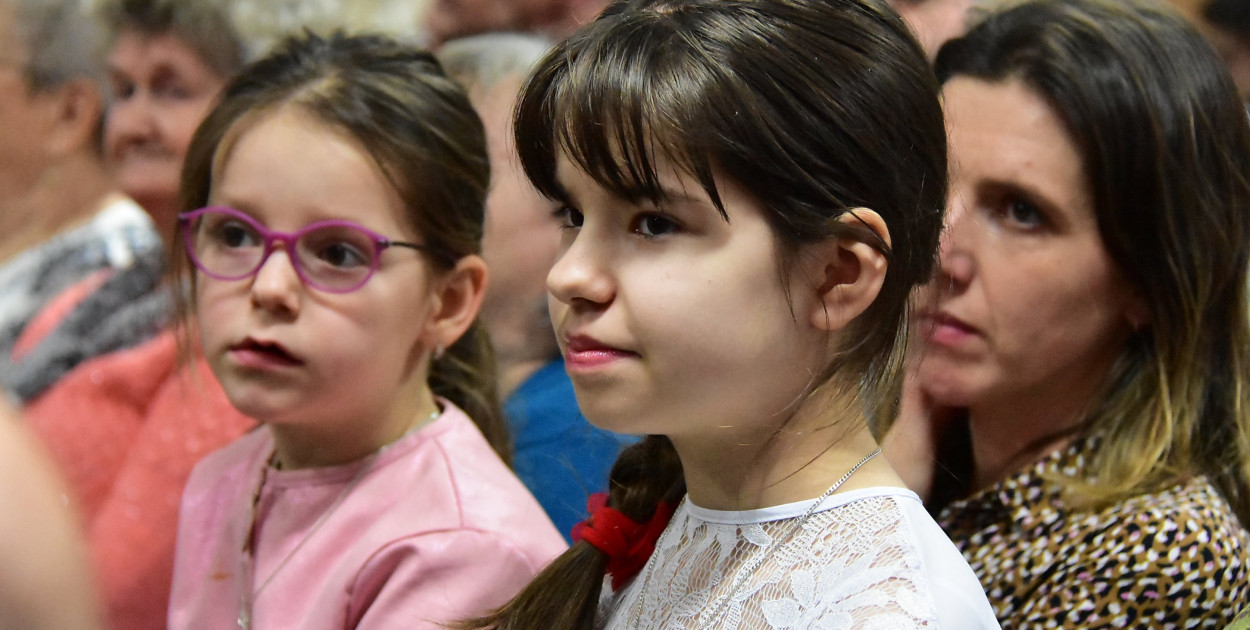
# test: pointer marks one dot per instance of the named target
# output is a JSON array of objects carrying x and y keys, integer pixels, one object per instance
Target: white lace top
[{"x": 865, "y": 559}]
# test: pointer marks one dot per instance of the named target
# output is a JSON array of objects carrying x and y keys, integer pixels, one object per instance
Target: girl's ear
[
  {"x": 848, "y": 272},
  {"x": 457, "y": 300}
]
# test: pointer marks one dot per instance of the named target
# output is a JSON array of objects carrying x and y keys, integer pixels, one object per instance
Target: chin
[
  {"x": 615, "y": 418},
  {"x": 947, "y": 389}
]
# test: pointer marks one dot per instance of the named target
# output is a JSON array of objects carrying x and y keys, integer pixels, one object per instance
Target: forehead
[{"x": 137, "y": 52}]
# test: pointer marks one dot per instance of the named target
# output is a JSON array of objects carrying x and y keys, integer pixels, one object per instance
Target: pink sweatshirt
[{"x": 436, "y": 529}]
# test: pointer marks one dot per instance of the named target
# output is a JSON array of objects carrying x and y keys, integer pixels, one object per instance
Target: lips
[
  {"x": 946, "y": 330},
  {"x": 256, "y": 353},
  {"x": 582, "y": 352}
]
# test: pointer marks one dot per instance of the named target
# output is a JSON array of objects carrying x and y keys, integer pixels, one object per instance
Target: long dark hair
[
  {"x": 421, "y": 130},
  {"x": 1166, "y": 148},
  {"x": 814, "y": 107}
]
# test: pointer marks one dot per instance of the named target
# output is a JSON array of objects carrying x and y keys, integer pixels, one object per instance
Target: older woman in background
[
  {"x": 1085, "y": 344},
  {"x": 167, "y": 62}
]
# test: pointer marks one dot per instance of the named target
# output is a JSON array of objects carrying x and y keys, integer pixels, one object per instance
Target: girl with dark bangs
[{"x": 749, "y": 191}]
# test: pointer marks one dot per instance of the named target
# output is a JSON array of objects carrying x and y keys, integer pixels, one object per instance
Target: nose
[
  {"x": 580, "y": 276},
  {"x": 276, "y": 286},
  {"x": 129, "y": 119},
  {"x": 957, "y": 249}
]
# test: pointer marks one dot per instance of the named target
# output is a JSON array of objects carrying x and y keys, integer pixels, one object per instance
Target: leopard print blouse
[{"x": 1170, "y": 559}]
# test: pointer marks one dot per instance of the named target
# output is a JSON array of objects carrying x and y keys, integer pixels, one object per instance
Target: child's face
[
  {"x": 332, "y": 365},
  {"x": 675, "y": 321}
]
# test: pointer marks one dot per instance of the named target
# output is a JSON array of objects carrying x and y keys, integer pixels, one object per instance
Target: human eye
[
  {"x": 337, "y": 248},
  {"x": 122, "y": 89},
  {"x": 168, "y": 84},
  {"x": 653, "y": 224},
  {"x": 171, "y": 91},
  {"x": 1023, "y": 214},
  {"x": 569, "y": 217},
  {"x": 230, "y": 233}
]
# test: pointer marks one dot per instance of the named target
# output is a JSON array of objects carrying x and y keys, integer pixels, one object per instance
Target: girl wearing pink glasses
[{"x": 338, "y": 192}]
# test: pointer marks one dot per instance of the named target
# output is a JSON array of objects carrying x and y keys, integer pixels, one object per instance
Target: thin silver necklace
[
  {"x": 249, "y": 595},
  {"x": 743, "y": 574}
]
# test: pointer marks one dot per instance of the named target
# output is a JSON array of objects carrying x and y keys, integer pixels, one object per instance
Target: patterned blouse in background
[{"x": 1176, "y": 558}]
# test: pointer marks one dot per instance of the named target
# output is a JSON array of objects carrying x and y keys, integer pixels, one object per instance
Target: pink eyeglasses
[{"x": 332, "y": 256}]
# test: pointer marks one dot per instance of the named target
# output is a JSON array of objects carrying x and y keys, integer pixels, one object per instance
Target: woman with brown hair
[{"x": 1084, "y": 366}]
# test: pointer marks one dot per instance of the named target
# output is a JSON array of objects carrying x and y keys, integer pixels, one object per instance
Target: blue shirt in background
[{"x": 557, "y": 453}]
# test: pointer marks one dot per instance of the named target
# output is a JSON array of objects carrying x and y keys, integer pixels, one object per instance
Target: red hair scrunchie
[{"x": 628, "y": 544}]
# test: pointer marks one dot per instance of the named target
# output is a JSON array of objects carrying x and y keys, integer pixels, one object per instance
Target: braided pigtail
[{"x": 645, "y": 482}]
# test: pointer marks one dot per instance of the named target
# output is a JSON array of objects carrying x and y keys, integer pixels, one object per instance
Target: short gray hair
[
  {"x": 205, "y": 26},
  {"x": 62, "y": 41}
]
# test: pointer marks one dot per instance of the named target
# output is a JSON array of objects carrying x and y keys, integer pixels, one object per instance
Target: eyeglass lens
[{"x": 334, "y": 257}]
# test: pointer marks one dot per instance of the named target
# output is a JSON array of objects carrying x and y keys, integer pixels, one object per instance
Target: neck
[
  {"x": 304, "y": 444},
  {"x": 1011, "y": 435},
  {"x": 796, "y": 463},
  {"x": 65, "y": 196},
  {"x": 522, "y": 338}
]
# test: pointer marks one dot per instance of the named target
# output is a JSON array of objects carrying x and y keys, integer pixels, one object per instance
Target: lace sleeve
[{"x": 853, "y": 566}]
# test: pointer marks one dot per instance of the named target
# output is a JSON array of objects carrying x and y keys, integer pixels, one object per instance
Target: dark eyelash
[{"x": 562, "y": 214}]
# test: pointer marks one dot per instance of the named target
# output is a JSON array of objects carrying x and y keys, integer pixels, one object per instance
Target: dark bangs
[{"x": 616, "y": 107}]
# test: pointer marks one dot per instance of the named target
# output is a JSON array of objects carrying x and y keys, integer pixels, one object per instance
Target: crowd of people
[{"x": 528, "y": 314}]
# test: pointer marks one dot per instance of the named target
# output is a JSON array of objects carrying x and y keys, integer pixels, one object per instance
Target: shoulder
[
  {"x": 451, "y": 479},
  {"x": 1177, "y": 553},
  {"x": 930, "y": 561},
  {"x": 442, "y": 576},
  {"x": 1186, "y": 532},
  {"x": 225, "y": 469},
  {"x": 1155, "y": 530},
  {"x": 544, "y": 403},
  {"x": 458, "y": 551}
]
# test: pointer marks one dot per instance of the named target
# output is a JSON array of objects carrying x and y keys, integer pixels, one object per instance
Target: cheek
[
  {"x": 395, "y": 315},
  {"x": 1066, "y": 313},
  {"x": 214, "y": 307},
  {"x": 719, "y": 322}
]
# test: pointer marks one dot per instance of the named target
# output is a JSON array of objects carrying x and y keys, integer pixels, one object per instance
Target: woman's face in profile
[{"x": 1028, "y": 308}]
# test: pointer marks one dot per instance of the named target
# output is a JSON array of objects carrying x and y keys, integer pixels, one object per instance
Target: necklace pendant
[{"x": 244, "y": 620}]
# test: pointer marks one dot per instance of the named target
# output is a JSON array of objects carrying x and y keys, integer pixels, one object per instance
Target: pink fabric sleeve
[{"x": 424, "y": 582}]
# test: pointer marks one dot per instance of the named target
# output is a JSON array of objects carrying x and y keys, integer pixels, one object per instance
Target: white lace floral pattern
[{"x": 851, "y": 566}]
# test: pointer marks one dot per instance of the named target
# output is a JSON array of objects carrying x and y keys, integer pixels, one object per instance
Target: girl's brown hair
[
  {"x": 815, "y": 107},
  {"x": 421, "y": 130}
]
